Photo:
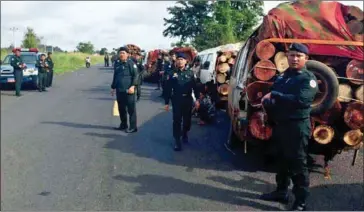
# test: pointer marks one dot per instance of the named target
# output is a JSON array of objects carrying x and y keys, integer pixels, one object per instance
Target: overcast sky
[{"x": 105, "y": 24}]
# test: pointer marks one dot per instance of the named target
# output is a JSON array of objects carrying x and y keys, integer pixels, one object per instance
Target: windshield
[{"x": 27, "y": 59}]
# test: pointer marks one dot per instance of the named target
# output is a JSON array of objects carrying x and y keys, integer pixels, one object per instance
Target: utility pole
[{"x": 14, "y": 29}]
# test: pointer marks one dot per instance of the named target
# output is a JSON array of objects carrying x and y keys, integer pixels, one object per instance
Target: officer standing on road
[
  {"x": 125, "y": 80},
  {"x": 42, "y": 66},
  {"x": 18, "y": 65},
  {"x": 168, "y": 68},
  {"x": 50, "y": 68},
  {"x": 182, "y": 83},
  {"x": 289, "y": 106},
  {"x": 159, "y": 69},
  {"x": 106, "y": 58},
  {"x": 140, "y": 67}
]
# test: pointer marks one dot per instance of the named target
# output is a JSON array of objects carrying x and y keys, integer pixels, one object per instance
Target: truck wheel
[{"x": 328, "y": 86}]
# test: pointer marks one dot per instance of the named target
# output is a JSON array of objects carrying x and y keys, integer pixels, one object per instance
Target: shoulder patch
[{"x": 313, "y": 83}]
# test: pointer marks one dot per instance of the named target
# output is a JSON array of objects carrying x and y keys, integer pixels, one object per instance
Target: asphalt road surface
[{"x": 59, "y": 152}]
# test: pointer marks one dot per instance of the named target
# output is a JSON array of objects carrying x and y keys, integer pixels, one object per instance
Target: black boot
[
  {"x": 121, "y": 127},
  {"x": 131, "y": 130},
  {"x": 185, "y": 138},
  {"x": 298, "y": 206},
  {"x": 177, "y": 145},
  {"x": 276, "y": 196}
]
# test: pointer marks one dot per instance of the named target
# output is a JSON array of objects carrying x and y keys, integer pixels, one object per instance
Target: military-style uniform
[
  {"x": 289, "y": 110},
  {"x": 42, "y": 74},
  {"x": 168, "y": 68},
  {"x": 159, "y": 68},
  {"x": 106, "y": 58},
  {"x": 16, "y": 62},
  {"x": 181, "y": 84},
  {"x": 125, "y": 76},
  {"x": 140, "y": 77},
  {"x": 50, "y": 71}
]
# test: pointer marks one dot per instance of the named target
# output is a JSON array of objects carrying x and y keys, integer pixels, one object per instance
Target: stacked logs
[
  {"x": 348, "y": 110},
  {"x": 225, "y": 62},
  {"x": 133, "y": 49}
]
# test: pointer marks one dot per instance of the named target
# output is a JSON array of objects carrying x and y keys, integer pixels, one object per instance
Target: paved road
[{"x": 59, "y": 152}]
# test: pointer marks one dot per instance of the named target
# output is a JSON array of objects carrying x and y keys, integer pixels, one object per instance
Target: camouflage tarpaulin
[{"x": 310, "y": 19}]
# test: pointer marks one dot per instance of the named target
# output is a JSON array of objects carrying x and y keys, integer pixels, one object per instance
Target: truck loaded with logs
[{"x": 335, "y": 42}]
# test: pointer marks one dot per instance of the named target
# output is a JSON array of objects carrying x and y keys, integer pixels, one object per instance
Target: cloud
[{"x": 107, "y": 24}]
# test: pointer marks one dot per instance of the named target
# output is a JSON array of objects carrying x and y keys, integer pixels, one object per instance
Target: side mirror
[{"x": 206, "y": 65}]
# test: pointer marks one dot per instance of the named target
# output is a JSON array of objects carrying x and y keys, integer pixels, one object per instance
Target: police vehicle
[{"x": 30, "y": 74}]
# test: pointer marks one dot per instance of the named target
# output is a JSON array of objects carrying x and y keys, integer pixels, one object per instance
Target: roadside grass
[{"x": 67, "y": 62}]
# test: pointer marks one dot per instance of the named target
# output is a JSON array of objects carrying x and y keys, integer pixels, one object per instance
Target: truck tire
[{"x": 329, "y": 86}]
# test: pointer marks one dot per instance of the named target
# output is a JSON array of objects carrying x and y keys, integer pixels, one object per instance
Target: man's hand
[
  {"x": 112, "y": 92},
  {"x": 166, "y": 107},
  {"x": 267, "y": 96},
  {"x": 131, "y": 90}
]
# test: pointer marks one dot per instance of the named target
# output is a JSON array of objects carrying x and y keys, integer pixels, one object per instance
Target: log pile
[
  {"x": 133, "y": 49},
  {"x": 355, "y": 22},
  {"x": 343, "y": 122},
  {"x": 224, "y": 64}
]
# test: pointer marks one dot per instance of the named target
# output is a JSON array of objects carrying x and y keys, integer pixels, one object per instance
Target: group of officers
[
  {"x": 287, "y": 106},
  {"x": 45, "y": 67}
]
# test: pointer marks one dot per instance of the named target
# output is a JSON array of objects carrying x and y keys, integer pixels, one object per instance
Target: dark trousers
[
  {"x": 139, "y": 88},
  {"x": 18, "y": 76},
  {"x": 292, "y": 140},
  {"x": 49, "y": 78},
  {"x": 107, "y": 63},
  {"x": 182, "y": 108},
  {"x": 127, "y": 102},
  {"x": 42, "y": 80}
]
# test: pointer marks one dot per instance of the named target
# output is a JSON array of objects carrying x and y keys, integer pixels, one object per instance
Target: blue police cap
[
  {"x": 181, "y": 55},
  {"x": 298, "y": 47},
  {"x": 124, "y": 49}
]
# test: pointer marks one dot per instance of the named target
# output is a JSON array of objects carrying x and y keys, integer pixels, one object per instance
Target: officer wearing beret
[
  {"x": 43, "y": 70},
  {"x": 50, "y": 68},
  {"x": 181, "y": 84},
  {"x": 169, "y": 66},
  {"x": 18, "y": 65},
  {"x": 288, "y": 107},
  {"x": 124, "y": 81}
]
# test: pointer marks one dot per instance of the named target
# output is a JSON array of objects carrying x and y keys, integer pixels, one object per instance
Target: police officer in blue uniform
[
  {"x": 124, "y": 83},
  {"x": 182, "y": 82},
  {"x": 288, "y": 107}
]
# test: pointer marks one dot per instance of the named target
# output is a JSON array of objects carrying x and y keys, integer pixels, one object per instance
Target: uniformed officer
[
  {"x": 50, "y": 68},
  {"x": 168, "y": 68},
  {"x": 137, "y": 60},
  {"x": 18, "y": 65},
  {"x": 125, "y": 80},
  {"x": 42, "y": 66},
  {"x": 106, "y": 59},
  {"x": 288, "y": 106},
  {"x": 159, "y": 69},
  {"x": 182, "y": 82}
]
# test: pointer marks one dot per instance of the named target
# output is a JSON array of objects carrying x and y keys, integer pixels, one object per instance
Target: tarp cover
[{"x": 312, "y": 19}]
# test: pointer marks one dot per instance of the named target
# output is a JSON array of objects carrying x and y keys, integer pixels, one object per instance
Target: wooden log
[
  {"x": 345, "y": 93},
  {"x": 355, "y": 27},
  {"x": 222, "y": 59},
  {"x": 355, "y": 70},
  {"x": 359, "y": 93},
  {"x": 259, "y": 127},
  {"x": 223, "y": 89},
  {"x": 354, "y": 115},
  {"x": 353, "y": 137},
  {"x": 264, "y": 70},
  {"x": 231, "y": 61},
  {"x": 331, "y": 114},
  {"x": 281, "y": 61},
  {"x": 323, "y": 134},
  {"x": 223, "y": 67},
  {"x": 221, "y": 78},
  {"x": 265, "y": 50},
  {"x": 256, "y": 90},
  {"x": 356, "y": 12}
]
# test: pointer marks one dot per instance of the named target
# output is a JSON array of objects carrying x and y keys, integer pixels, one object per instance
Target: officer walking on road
[
  {"x": 125, "y": 80},
  {"x": 42, "y": 66},
  {"x": 18, "y": 65},
  {"x": 168, "y": 68},
  {"x": 182, "y": 82},
  {"x": 50, "y": 68},
  {"x": 289, "y": 107}
]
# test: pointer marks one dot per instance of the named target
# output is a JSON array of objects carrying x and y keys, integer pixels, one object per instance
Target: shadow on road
[
  {"x": 81, "y": 126},
  {"x": 162, "y": 185}
]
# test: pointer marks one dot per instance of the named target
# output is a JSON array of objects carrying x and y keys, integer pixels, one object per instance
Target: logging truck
[{"x": 335, "y": 42}]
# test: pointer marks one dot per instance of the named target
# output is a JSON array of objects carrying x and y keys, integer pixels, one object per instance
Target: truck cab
[{"x": 30, "y": 74}]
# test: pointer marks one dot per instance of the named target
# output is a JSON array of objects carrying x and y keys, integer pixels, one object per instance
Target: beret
[
  {"x": 124, "y": 49},
  {"x": 181, "y": 55},
  {"x": 298, "y": 47}
]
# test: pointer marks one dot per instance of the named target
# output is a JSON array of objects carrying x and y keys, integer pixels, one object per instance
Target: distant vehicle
[
  {"x": 88, "y": 62},
  {"x": 30, "y": 74}
]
